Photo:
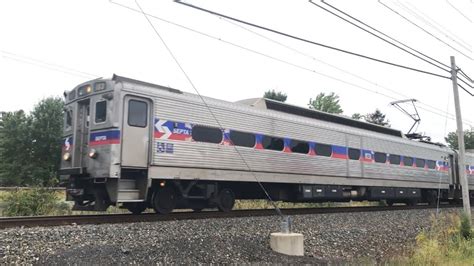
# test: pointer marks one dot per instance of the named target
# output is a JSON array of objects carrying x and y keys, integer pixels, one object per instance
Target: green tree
[
  {"x": 377, "y": 118},
  {"x": 30, "y": 145},
  {"x": 357, "y": 116},
  {"x": 15, "y": 148},
  {"x": 326, "y": 103},
  {"x": 275, "y": 95},
  {"x": 452, "y": 139},
  {"x": 46, "y": 134}
]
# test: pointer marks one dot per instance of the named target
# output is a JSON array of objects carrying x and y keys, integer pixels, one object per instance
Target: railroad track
[{"x": 152, "y": 217}]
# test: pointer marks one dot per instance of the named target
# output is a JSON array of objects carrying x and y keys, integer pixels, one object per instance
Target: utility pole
[{"x": 462, "y": 161}]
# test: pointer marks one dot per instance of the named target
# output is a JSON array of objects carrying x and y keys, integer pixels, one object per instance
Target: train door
[
  {"x": 81, "y": 143},
  {"x": 354, "y": 164},
  {"x": 136, "y": 132}
]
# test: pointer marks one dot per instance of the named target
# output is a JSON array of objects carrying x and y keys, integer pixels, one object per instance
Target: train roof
[{"x": 268, "y": 104}]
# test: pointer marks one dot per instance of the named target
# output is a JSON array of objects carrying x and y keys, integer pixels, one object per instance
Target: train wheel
[
  {"x": 136, "y": 208},
  {"x": 164, "y": 200},
  {"x": 225, "y": 200}
]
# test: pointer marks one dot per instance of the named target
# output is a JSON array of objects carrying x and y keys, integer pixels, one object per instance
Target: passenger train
[{"x": 139, "y": 145}]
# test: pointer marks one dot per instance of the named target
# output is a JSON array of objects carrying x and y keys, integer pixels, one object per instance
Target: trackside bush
[
  {"x": 465, "y": 228},
  {"x": 32, "y": 202},
  {"x": 447, "y": 242}
]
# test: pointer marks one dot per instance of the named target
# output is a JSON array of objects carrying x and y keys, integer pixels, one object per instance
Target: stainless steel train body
[{"x": 142, "y": 145}]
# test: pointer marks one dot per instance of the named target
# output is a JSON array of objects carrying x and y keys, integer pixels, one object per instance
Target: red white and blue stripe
[{"x": 104, "y": 137}]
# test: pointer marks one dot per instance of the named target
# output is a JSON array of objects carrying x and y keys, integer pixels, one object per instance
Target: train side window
[
  {"x": 272, "y": 143},
  {"x": 431, "y": 164},
  {"x": 243, "y": 139},
  {"x": 380, "y": 157},
  {"x": 407, "y": 161},
  {"x": 299, "y": 146},
  {"x": 68, "y": 119},
  {"x": 394, "y": 159},
  {"x": 137, "y": 113},
  {"x": 207, "y": 134},
  {"x": 354, "y": 154},
  {"x": 420, "y": 162},
  {"x": 100, "y": 111},
  {"x": 323, "y": 150}
]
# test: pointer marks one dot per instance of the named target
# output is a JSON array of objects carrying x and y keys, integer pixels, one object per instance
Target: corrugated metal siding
[{"x": 189, "y": 108}]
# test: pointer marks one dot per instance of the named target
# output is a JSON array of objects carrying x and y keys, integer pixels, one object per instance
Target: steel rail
[{"x": 43, "y": 221}]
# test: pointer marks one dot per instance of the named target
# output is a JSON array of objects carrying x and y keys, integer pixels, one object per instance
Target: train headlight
[
  {"x": 93, "y": 154},
  {"x": 67, "y": 156}
]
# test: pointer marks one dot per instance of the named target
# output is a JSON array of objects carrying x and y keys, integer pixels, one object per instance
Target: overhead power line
[
  {"x": 381, "y": 38},
  {"x": 43, "y": 64},
  {"x": 441, "y": 113},
  {"x": 313, "y": 42},
  {"x": 421, "y": 17},
  {"x": 459, "y": 11},
  {"x": 423, "y": 29}
]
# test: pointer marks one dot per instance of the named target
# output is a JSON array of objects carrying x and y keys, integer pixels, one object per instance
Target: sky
[{"x": 47, "y": 47}]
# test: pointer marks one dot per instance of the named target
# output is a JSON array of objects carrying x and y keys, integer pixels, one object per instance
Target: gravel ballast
[{"x": 328, "y": 238}]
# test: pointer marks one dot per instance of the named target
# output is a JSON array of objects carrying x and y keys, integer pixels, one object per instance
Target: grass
[{"x": 446, "y": 242}]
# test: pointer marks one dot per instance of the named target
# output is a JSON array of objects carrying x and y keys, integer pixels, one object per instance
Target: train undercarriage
[{"x": 137, "y": 193}]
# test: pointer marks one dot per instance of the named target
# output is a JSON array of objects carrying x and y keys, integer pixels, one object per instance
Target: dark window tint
[
  {"x": 407, "y": 161},
  {"x": 207, "y": 134},
  {"x": 419, "y": 162},
  {"x": 431, "y": 164},
  {"x": 68, "y": 119},
  {"x": 137, "y": 113},
  {"x": 394, "y": 159},
  {"x": 354, "y": 154},
  {"x": 323, "y": 149},
  {"x": 272, "y": 143},
  {"x": 242, "y": 139},
  {"x": 299, "y": 146},
  {"x": 72, "y": 95},
  {"x": 380, "y": 157},
  {"x": 100, "y": 111}
]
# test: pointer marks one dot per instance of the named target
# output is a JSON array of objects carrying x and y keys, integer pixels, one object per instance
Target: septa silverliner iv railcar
[{"x": 140, "y": 145}]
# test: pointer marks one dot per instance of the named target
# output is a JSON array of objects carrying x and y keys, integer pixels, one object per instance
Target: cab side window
[{"x": 100, "y": 112}]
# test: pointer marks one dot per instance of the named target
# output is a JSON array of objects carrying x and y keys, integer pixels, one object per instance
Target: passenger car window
[
  {"x": 207, "y": 134},
  {"x": 323, "y": 149},
  {"x": 394, "y": 159},
  {"x": 242, "y": 139},
  {"x": 100, "y": 111},
  {"x": 272, "y": 143},
  {"x": 137, "y": 113},
  {"x": 407, "y": 161},
  {"x": 420, "y": 163},
  {"x": 431, "y": 164},
  {"x": 380, "y": 157},
  {"x": 299, "y": 146},
  {"x": 354, "y": 154}
]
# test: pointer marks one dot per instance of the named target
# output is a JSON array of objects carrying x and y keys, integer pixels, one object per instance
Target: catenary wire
[
  {"x": 465, "y": 75},
  {"x": 379, "y": 37},
  {"x": 467, "y": 122},
  {"x": 338, "y": 68},
  {"x": 40, "y": 63},
  {"x": 459, "y": 11},
  {"x": 423, "y": 29},
  {"x": 312, "y": 42},
  {"x": 47, "y": 67},
  {"x": 416, "y": 15},
  {"x": 383, "y": 38},
  {"x": 470, "y": 93},
  {"x": 440, "y": 26},
  {"x": 209, "y": 108}
]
